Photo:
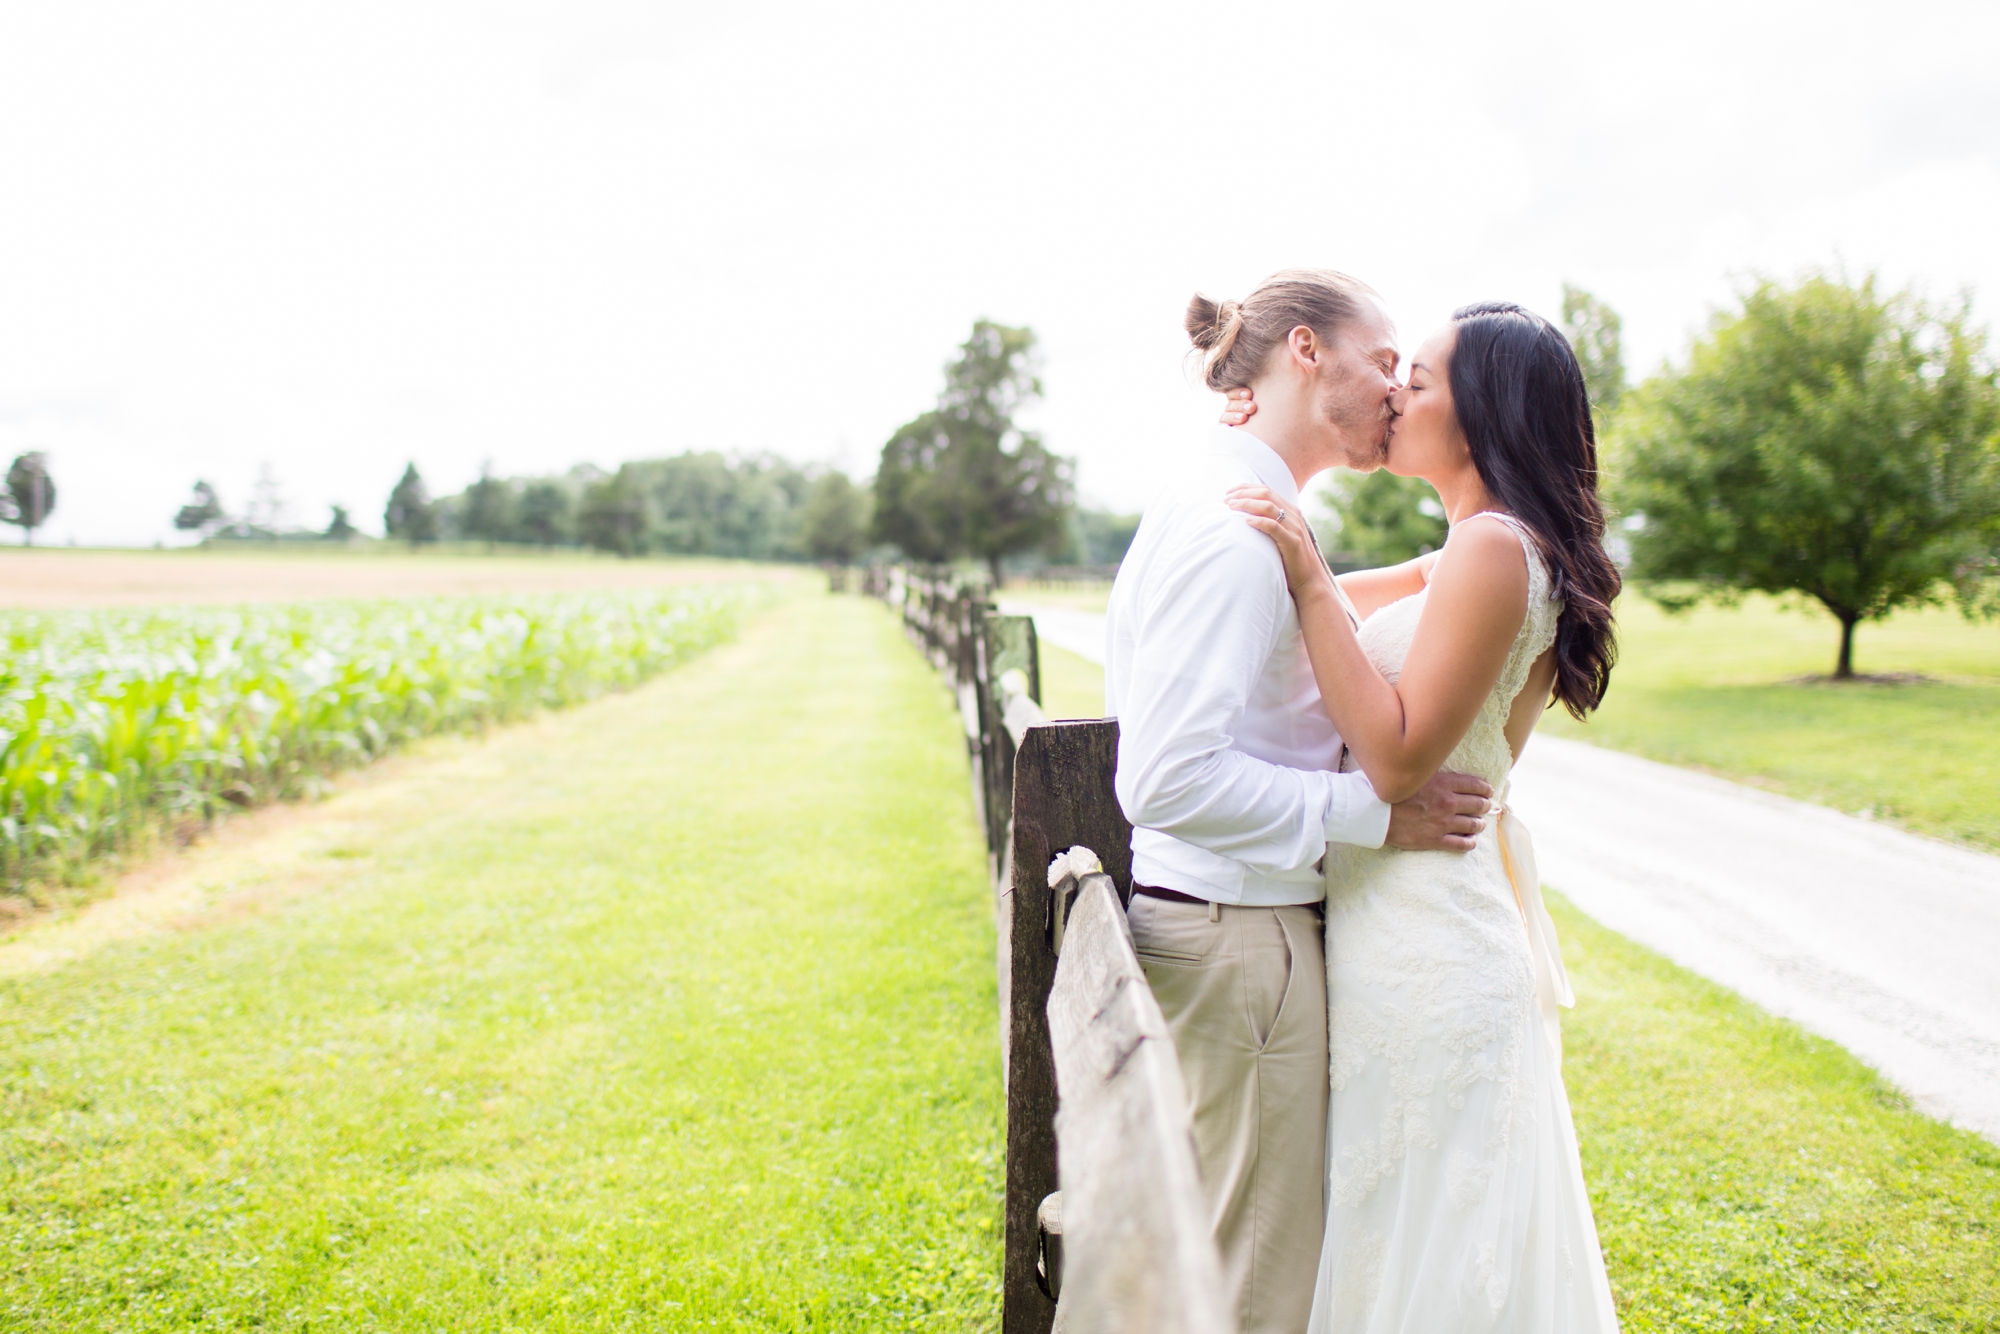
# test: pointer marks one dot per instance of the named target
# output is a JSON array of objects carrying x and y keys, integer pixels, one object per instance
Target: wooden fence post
[
  {"x": 1006, "y": 644},
  {"x": 1141, "y": 1257},
  {"x": 1062, "y": 797},
  {"x": 1137, "y": 1250}
]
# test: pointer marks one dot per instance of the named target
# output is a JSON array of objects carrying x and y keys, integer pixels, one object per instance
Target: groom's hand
[{"x": 1446, "y": 815}]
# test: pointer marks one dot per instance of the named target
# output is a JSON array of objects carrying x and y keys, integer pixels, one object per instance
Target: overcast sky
[{"x": 331, "y": 239}]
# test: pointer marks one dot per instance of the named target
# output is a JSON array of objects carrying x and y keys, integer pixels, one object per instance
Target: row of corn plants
[{"x": 117, "y": 722}]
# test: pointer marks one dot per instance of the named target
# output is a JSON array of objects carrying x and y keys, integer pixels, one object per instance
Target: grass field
[
  {"x": 671, "y": 1011},
  {"x": 1746, "y": 1175},
  {"x": 1722, "y": 690},
  {"x": 675, "y": 1010},
  {"x": 117, "y": 724},
  {"x": 1072, "y": 687}
]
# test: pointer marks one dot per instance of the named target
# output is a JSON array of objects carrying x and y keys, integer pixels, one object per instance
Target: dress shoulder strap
[{"x": 1520, "y": 529}]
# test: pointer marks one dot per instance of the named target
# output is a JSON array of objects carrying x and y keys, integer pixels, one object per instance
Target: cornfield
[{"x": 114, "y": 722}]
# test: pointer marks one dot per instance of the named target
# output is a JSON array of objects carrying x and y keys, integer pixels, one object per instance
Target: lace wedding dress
[{"x": 1455, "y": 1196}]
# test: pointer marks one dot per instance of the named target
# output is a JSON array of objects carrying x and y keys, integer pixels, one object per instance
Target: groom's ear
[{"x": 1305, "y": 347}]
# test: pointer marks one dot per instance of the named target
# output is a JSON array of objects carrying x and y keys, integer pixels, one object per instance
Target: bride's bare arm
[
  {"x": 1401, "y": 733},
  {"x": 1371, "y": 590}
]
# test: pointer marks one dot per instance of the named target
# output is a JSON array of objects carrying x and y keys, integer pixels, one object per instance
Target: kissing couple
[{"x": 1340, "y": 923}]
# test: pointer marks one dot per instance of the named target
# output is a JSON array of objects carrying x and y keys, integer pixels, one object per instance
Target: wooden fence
[{"x": 1112, "y": 1233}]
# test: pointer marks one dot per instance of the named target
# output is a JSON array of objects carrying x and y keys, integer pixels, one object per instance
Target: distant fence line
[
  {"x": 1111, "y": 1233},
  {"x": 1062, "y": 576}
]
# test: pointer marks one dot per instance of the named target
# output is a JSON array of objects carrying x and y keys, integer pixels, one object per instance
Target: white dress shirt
[{"x": 1227, "y": 762}]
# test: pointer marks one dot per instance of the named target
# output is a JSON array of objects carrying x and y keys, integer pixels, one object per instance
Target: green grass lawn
[
  {"x": 1746, "y": 1175},
  {"x": 1720, "y": 690},
  {"x": 672, "y": 1011},
  {"x": 675, "y": 1011},
  {"x": 1072, "y": 687}
]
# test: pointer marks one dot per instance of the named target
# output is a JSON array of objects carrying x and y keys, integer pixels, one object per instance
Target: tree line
[
  {"x": 962, "y": 481},
  {"x": 1823, "y": 438}
]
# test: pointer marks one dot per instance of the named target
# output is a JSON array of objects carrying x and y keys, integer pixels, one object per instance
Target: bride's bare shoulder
[{"x": 1482, "y": 555}]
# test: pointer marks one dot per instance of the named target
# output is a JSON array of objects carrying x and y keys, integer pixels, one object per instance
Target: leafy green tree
[
  {"x": 963, "y": 479},
  {"x": 707, "y": 504},
  {"x": 545, "y": 515},
  {"x": 612, "y": 516},
  {"x": 914, "y": 507},
  {"x": 486, "y": 513},
  {"x": 341, "y": 528},
  {"x": 31, "y": 494},
  {"x": 204, "y": 513},
  {"x": 836, "y": 518},
  {"x": 410, "y": 514},
  {"x": 1826, "y": 439},
  {"x": 1379, "y": 518},
  {"x": 1595, "y": 335},
  {"x": 1099, "y": 537}
]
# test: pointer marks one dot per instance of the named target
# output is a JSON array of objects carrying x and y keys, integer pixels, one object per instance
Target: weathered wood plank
[
  {"x": 1008, "y": 651},
  {"x": 1062, "y": 797},
  {"x": 1137, "y": 1251}
]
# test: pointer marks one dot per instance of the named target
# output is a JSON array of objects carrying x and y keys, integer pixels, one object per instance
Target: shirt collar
[{"x": 1262, "y": 459}]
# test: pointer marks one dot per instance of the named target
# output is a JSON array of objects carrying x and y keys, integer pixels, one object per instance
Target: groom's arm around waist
[{"x": 1209, "y": 616}]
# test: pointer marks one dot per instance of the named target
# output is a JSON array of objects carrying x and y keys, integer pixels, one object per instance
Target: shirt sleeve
[
  {"x": 1357, "y": 815},
  {"x": 1212, "y": 613}
]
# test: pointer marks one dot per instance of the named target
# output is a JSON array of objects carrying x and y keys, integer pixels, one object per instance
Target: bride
[{"x": 1455, "y": 1195}]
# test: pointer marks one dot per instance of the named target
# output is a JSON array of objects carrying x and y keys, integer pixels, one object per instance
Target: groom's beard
[{"x": 1363, "y": 423}]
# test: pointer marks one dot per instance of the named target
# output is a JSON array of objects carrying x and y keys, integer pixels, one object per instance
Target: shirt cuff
[{"x": 1356, "y": 815}]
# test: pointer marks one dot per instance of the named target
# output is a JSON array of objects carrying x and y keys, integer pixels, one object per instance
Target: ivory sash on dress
[{"x": 1552, "y": 989}]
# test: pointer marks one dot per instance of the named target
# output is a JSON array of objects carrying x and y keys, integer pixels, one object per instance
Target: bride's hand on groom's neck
[
  {"x": 1240, "y": 407},
  {"x": 1306, "y": 573}
]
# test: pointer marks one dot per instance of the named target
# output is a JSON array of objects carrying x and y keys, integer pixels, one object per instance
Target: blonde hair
[{"x": 1235, "y": 338}]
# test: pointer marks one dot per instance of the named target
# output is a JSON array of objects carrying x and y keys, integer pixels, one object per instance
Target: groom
[{"x": 1228, "y": 771}]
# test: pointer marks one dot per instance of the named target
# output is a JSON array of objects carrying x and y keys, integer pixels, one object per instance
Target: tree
[
  {"x": 410, "y": 514},
  {"x": 341, "y": 528},
  {"x": 705, "y": 504},
  {"x": 31, "y": 494},
  {"x": 544, "y": 514},
  {"x": 836, "y": 518},
  {"x": 963, "y": 479},
  {"x": 1594, "y": 332},
  {"x": 1822, "y": 438},
  {"x": 1382, "y": 519},
  {"x": 265, "y": 515},
  {"x": 612, "y": 516},
  {"x": 487, "y": 513},
  {"x": 914, "y": 508},
  {"x": 204, "y": 513},
  {"x": 1099, "y": 537}
]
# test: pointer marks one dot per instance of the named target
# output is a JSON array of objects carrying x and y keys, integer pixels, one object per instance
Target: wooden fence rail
[{"x": 1131, "y": 1248}]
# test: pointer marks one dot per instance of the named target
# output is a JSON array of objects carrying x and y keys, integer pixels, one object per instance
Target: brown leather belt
[{"x": 1174, "y": 895}]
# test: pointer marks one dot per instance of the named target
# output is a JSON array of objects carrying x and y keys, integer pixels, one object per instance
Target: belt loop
[{"x": 1214, "y": 911}]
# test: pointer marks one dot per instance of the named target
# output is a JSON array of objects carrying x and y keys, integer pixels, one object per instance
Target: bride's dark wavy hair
[{"x": 1521, "y": 401}]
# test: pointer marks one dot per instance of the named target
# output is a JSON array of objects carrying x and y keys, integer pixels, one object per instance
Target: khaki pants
[{"x": 1245, "y": 1000}]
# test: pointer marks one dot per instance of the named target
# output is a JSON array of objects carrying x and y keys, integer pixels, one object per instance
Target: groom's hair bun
[{"x": 1235, "y": 338}]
